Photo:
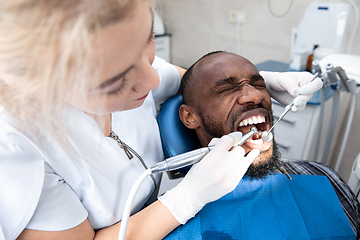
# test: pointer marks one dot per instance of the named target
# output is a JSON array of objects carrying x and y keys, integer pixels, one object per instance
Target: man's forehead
[
  {"x": 212, "y": 62},
  {"x": 221, "y": 65}
]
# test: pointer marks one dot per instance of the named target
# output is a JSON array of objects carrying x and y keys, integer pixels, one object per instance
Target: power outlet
[{"x": 235, "y": 14}]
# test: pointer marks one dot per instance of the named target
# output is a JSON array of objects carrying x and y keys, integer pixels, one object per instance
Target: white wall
[{"x": 201, "y": 26}]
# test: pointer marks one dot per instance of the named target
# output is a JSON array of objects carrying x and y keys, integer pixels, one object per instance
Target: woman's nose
[
  {"x": 147, "y": 77},
  {"x": 250, "y": 94}
]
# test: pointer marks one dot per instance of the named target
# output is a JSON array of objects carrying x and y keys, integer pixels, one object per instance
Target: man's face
[{"x": 231, "y": 96}]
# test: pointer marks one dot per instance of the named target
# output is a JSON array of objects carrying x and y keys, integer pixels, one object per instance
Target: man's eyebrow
[
  {"x": 114, "y": 79},
  {"x": 228, "y": 80},
  {"x": 231, "y": 80},
  {"x": 256, "y": 77}
]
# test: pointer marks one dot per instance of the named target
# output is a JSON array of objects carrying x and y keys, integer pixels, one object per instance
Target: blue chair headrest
[{"x": 175, "y": 137}]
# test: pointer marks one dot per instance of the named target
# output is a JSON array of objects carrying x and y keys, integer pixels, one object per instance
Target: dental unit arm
[
  {"x": 192, "y": 157},
  {"x": 339, "y": 72}
]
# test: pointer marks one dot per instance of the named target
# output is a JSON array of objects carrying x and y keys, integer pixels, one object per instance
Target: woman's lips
[{"x": 142, "y": 97}]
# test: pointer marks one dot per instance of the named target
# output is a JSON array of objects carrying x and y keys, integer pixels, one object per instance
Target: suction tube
[{"x": 129, "y": 202}]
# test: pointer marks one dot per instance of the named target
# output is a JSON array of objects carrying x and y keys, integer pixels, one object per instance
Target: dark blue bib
[{"x": 305, "y": 207}]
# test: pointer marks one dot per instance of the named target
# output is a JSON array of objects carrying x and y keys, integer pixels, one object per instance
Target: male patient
[{"x": 223, "y": 93}]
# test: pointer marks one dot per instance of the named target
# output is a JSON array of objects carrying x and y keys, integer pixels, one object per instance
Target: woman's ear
[{"x": 189, "y": 116}]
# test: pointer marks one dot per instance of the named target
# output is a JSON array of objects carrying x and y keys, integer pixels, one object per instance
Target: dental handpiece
[
  {"x": 192, "y": 157},
  {"x": 267, "y": 136}
]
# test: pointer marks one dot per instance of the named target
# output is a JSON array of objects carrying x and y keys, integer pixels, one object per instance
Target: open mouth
[{"x": 259, "y": 120}]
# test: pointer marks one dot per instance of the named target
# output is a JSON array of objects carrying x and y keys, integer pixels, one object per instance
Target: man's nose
[{"x": 250, "y": 94}]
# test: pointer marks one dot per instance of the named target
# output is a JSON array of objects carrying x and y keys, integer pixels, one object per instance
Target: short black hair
[{"x": 187, "y": 83}]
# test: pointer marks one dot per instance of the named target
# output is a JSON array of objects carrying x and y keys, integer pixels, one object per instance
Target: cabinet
[
  {"x": 162, "y": 46},
  {"x": 295, "y": 132}
]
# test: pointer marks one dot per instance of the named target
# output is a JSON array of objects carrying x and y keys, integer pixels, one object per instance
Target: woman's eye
[
  {"x": 114, "y": 93},
  {"x": 117, "y": 91}
]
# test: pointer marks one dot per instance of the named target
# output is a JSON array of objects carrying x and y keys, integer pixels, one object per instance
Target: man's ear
[{"x": 189, "y": 116}]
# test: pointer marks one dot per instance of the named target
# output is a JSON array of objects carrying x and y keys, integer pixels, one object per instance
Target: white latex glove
[
  {"x": 286, "y": 86},
  {"x": 217, "y": 174}
]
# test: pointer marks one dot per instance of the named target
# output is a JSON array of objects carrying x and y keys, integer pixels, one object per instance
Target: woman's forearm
[{"x": 153, "y": 222}]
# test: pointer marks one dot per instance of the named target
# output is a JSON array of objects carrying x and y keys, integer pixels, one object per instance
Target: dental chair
[{"x": 175, "y": 137}]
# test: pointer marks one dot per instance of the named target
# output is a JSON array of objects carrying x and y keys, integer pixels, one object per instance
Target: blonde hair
[{"x": 46, "y": 49}]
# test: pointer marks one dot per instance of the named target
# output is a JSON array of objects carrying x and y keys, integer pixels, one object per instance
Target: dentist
[{"x": 78, "y": 123}]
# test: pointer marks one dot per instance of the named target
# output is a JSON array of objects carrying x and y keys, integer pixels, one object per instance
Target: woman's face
[{"x": 127, "y": 50}]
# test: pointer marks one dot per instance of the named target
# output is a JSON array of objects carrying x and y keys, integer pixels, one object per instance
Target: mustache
[{"x": 247, "y": 108}]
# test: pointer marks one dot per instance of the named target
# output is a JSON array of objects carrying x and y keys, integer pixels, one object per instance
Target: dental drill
[
  {"x": 173, "y": 163},
  {"x": 192, "y": 157},
  {"x": 267, "y": 136}
]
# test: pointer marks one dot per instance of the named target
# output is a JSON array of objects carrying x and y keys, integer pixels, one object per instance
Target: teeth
[
  {"x": 252, "y": 120},
  {"x": 258, "y": 141},
  {"x": 260, "y": 119}
]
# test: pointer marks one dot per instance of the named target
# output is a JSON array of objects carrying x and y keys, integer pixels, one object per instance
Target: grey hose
[
  {"x": 347, "y": 131},
  {"x": 320, "y": 123},
  {"x": 333, "y": 119}
]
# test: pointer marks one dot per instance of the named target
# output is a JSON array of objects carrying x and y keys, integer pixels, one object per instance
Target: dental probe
[
  {"x": 192, "y": 157},
  {"x": 267, "y": 136}
]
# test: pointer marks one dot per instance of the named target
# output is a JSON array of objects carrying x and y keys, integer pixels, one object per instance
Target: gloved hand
[
  {"x": 217, "y": 174},
  {"x": 286, "y": 86}
]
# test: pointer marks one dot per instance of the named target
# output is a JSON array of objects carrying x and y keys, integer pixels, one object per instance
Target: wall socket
[{"x": 234, "y": 14}]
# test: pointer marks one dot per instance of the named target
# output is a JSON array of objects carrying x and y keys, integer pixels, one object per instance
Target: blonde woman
[{"x": 77, "y": 124}]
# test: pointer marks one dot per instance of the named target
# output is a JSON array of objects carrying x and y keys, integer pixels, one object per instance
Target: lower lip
[
  {"x": 262, "y": 147},
  {"x": 142, "y": 97}
]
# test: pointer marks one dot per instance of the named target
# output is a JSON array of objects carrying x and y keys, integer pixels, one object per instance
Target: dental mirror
[{"x": 267, "y": 136}]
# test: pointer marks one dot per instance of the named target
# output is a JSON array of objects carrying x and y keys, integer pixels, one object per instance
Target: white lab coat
[{"x": 44, "y": 187}]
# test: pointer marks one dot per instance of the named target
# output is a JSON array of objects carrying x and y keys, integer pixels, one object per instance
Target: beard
[
  {"x": 271, "y": 166},
  {"x": 212, "y": 128},
  {"x": 261, "y": 171}
]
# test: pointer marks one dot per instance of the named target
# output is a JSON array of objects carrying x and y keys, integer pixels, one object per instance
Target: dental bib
[{"x": 276, "y": 207}]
